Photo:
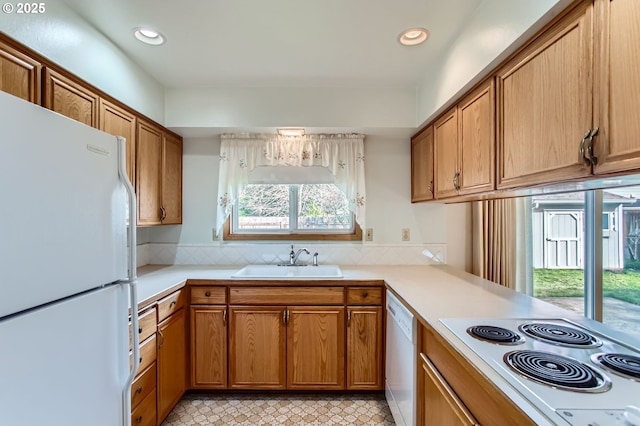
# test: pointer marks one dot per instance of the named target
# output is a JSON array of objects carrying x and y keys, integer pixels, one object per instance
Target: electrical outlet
[
  {"x": 406, "y": 234},
  {"x": 368, "y": 235}
]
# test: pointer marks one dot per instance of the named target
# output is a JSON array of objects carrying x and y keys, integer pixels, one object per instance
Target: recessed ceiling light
[
  {"x": 413, "y": 36},
  {"x": 291, "y": 132},
  {"x": 148, "y": 36}
]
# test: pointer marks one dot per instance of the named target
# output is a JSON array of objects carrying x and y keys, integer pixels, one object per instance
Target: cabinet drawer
[
  {"x": 147, "y": 353},
  {"x": 364, "y": 296},
  {"x": 286, "y": 296},
  {"x": 170, "y": 304},
  {"x": 145, "y": 413},
  {"x": 208, "y": 295},
  {"x": 147, "y": 325},
  {"x": 143, "y": 385}
]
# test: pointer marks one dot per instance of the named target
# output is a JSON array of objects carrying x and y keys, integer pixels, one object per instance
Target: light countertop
[{"x": 431, "y": 292}]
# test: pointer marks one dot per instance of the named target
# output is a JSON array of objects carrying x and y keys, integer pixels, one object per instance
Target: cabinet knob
[
  {"x": 208, "y": 293},
  {"x": 139, "y": 419},
  {"x": 365, "y": 293},
  {"x": 173, "y": 303},
  {"x": 139, "y": 330},
  {"x": 140, "y": 360},
  {"x": 139, "y": 390}
]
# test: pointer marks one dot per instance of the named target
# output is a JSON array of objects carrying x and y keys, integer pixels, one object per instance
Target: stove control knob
[{"x": 631, "y": 416}]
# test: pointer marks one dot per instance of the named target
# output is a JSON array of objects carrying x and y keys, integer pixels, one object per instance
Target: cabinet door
[
  {"x": 422, "y": 166},
  {"x": 172, "y": 362},
  {"x": 70, "y": 98},
  {"x": 315, "y": 347},
  {"x": 208, "y": 347},
  {"x": 439, "y": 404},
  {"x": 149, "y": 173},
  {"x": 544, "y": 97},
  {"x": 364, "y": 348},
  {"x": 476, "y": 140},
  {"x": 257, "y": 345},
  {"x": 171, "y": 179},
  {"x": 445, "y": 137},
  {"x": 19, "y": 74},
  {"x": 617, "y": 60},
  {"x": 119, "y": 122}
]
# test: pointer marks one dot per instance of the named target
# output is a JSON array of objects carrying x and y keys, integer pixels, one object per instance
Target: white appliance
[
  {"x": 401, "y": 361},
  {"x": 67, "y": 268},
  {"x": 557, "y": 365}
]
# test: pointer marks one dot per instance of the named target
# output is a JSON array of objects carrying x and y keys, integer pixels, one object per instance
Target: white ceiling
[{"x": 280, "y": 43}]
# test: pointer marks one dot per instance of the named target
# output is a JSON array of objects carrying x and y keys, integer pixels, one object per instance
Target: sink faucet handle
[{"x": 315, "y": 259}]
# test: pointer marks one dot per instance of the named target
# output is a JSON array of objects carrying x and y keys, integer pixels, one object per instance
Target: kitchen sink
[{"x": 289, "y": 272}]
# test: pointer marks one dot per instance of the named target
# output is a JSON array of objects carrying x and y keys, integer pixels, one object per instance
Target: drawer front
[
  {"x": 208, "y": 295},
  {"x": 286, "y": 296},
  {"x": 147, "y": 325},
  {"x": 147, "y": 353},
  {"x": 364, "y": 296},
  {"x": 170, "y": 304},
  {"x": 143, "y": 385},
  {"x": 145, "y": 413}
]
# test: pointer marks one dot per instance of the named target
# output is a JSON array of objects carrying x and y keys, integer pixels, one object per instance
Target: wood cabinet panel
[
  {"x": 364, "y": 348},
  {"x": 618, "y": 86},
  {"x": 476, "y": 140},
  {"x": 208, "y": 347},
  {"x": 70, "y": 98},
  {"x": 171, "y": 180},
  {"x": 315, "y": 348},
  {"x": 19, "y": 74},
  {"x": 147, "y": 354},
  {"x": 257, "y": 345},
  {"x": 286, "y": 295},
  {"x": 172, "y": 303},
  {"x": 208, "y": 295},
  {"x": 442, "y": 405},
  {"x": 172, "y": 362},
  {"x": 364, "y": 295},
  {"x": 147, "y": 325},
  {"x": 149, "y": 173},
  {"x": 422, "y": 166},
  {"x": 117, "y": 121},
  {"x": 143, "y": 385},
  {"x": 145, "y": 413},
  {"x": 544, "y": 97},
  {"x": 445, "y": 140}
]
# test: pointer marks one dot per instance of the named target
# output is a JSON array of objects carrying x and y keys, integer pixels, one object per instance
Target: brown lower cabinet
[
  {"x": 172, "y": 362},
  {"x": 452, "y": 392}
]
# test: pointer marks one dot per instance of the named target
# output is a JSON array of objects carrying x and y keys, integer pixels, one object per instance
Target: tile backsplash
[{"x": 270, "y": 253}]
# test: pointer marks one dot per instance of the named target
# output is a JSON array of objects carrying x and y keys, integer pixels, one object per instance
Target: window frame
[{"x": 354, "y": 234}]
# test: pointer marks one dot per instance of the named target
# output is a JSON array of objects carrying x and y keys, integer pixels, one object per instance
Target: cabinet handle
[
  {"x": 139, "y": 390},
  {"x": 365, "y": 294},
  {"x": 139, "y": 330},
  {"x": 139, "y": 419},
  {"x": 431, "y": 187},
  {"x": 285, "y": 317},
  {"x": 207, "y": 294},
  {"x": 163, "y": 213},
  {"x": 592, "y": 158},
  {"x": 173, "y": 303},
  {"x": 583, "y": 153},
  {"x": 224, "y": 316},
  {"x": 349, "y": 319},
  {"x": 456, "y": 185},
  {"x": 161, "y": 342}
]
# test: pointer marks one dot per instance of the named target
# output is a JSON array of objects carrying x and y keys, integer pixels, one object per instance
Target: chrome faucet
[{"x": 293, "y": 256}]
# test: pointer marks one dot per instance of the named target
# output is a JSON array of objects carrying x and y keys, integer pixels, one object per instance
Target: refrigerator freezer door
[
  {"x": 65, "y": 364},
  {"x": 63, "y": 209}
]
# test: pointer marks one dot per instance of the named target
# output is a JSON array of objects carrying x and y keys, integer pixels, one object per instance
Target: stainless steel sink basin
[{"x": 289, "y": 272}]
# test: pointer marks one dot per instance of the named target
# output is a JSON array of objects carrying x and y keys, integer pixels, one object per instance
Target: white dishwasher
[{"x": 400, "y": 380}]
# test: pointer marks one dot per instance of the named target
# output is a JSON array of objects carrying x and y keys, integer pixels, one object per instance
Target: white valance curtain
[{"x": 341, "y": 154}]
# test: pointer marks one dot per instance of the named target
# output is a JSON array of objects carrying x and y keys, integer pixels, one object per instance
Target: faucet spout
[{"x": 293, "y": 256}]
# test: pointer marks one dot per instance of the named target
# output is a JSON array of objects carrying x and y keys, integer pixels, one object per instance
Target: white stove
[{"x": 569, "y": 373}]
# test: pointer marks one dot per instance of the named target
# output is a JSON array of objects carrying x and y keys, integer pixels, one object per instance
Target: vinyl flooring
[{"x": 199, "y": 409}]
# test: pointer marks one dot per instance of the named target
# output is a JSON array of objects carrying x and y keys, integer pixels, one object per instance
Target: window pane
[
  {"x": 621, "y": 260},
  {"x": 558, "y": 249},
  {"x": 264, "y": 207},
  {"x": 323, "y": 206}
]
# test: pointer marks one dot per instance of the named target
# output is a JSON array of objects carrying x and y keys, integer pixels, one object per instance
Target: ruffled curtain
[{"x": 341, "y": 154}]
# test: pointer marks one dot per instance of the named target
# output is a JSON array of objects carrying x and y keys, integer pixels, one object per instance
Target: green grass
[{"x": 570, "y": 283}]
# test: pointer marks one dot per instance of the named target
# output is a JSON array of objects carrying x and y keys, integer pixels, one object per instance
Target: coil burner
[
  {"x": 560, "y": 335},
  {"x": 493, "y": 334},
  {"x": 622, "y": 364}
]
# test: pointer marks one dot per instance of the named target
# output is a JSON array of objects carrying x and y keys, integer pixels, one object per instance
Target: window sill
[{"x": 227, "y": 235}]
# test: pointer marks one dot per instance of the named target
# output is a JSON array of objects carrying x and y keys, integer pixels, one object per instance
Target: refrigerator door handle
[{"x": 132, "y": 278}]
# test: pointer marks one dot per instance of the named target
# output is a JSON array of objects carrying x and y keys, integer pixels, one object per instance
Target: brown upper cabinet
[
  {"x": 617, "y": 95},
  {"x": 119, "y": 122},
  {"x": 19, "y": 74},
  {"x": 70, "y": 98},
  {"x": 158, "y": 175},
  {"x": 464, "y": 141},
  {"x": 422, "y": 166}
]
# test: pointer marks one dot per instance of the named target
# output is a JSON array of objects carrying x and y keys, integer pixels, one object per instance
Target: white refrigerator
[{"x": 67, "y": 271}]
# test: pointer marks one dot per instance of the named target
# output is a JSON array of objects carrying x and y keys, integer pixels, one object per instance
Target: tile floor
[{"x": 229, "y": 408}]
